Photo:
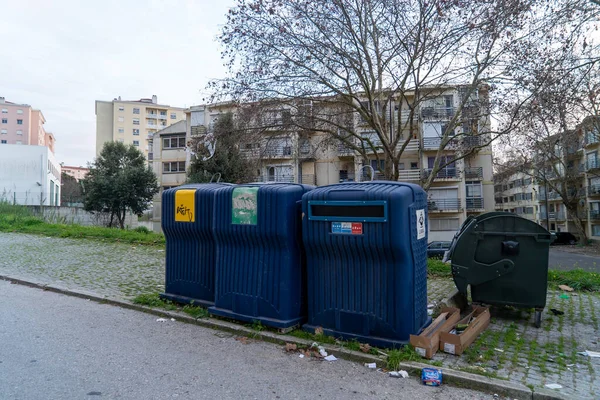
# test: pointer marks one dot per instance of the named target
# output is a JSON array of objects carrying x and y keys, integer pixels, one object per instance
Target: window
[
  {"x": 176, "y": 166},
  {"x": 19, "y": 122},
  {"x": 173, "y": 116},
  {"x": 3, "y": 142},
  {"x": 163, "y": 113},
  {"x": 4, "y": 120},
  {"x": 414, "y": 165},
  {"x": 121, "y": 119},
  {"x": 19, "y": 132},
  {"x": 443, "y": 224},
  {"x": 19, "y": 142},
  {"x": 121, "y": 130},
  {"x": 136, "y": 142},
  {"x": 121, "y": 140},
  {"x": 4, "y": 131},
  {"x": 136, "y": 121},
  {"x": 528, "y": 210},
  {"x": 401, "y": 165},
  {"x": 136, "y": 132},
  {"x": 4, "y": 111},
  {"x": 19, "y": 111},
  {"x": 121, "y": 108},
  {"x": 136, "y": 110},
  {"x": 176, "y": 142},
  {"x": 595, "y": 230}
]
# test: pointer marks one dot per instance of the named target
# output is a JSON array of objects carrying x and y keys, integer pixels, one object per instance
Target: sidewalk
[{"x": 511, "y": 348}]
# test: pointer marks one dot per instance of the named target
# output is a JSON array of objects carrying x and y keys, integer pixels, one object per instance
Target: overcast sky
[{"x": 60, "y": 56}]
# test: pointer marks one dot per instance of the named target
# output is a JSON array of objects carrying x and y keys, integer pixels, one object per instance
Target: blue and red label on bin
[{"x": 347, "y": 228}]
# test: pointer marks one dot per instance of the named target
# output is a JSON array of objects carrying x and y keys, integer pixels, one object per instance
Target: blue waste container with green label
[
  {"x": 187, "y": 217},
  {"x": 366, "y": 259},
  {"x": 260, "y": 272}
]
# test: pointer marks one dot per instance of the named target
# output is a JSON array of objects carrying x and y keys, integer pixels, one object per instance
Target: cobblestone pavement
[
  {"x": 115, "y": 270},
  {"x": 511, "y": 348}
]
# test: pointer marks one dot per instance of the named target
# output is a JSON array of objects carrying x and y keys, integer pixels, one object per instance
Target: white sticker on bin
[
  {"x": 420, "y": 351},
  {"x": 421, "y": 224}
]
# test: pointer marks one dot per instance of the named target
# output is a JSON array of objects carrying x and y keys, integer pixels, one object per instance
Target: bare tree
[{"x": 386, "y": 64}]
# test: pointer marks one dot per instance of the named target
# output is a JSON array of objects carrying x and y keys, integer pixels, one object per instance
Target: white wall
[{"x": 25, "y": 176}]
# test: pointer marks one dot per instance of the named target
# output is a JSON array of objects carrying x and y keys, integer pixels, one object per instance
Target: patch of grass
[
  {"x": 437, "y": 268},
  {"x": 195, "y": 311},
  {"x": 149, "y": 299},
  {"x": 257, "y": 327},
  {"x": 352, "y": 345},
  {"x": 578, "y": 279},
  {"x": 21, "y": 220},
  {"x": 396, "y": 356}
]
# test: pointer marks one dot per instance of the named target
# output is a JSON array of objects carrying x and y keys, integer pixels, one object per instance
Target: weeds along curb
[{"x": 452, "y": 377}]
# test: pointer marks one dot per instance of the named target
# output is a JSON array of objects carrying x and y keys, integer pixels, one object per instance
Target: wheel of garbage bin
[{"x": 538, "y": 318}]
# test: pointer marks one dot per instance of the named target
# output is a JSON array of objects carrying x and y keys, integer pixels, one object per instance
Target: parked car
[
  {"x": 437, "y": 249},
  {"x": 563, "y": 238}
]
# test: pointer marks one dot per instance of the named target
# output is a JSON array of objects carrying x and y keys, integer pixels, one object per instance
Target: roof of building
[
  {"x": 178, "y": 127},
  {"x": 69, "y": 167}
]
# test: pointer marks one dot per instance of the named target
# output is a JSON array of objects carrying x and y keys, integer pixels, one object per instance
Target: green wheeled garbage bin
[{"x": 505, "y": 260}]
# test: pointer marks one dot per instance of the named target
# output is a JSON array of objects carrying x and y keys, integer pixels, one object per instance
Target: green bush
[{"x": 142, "y": 229}]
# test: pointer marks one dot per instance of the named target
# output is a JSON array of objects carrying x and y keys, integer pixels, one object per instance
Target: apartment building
[
  {"x": 283, "y": 153},
  {"x": 23, "y": 125},
  {"x": 76, "y": 172},
  {"x": 517, "y": 192},
  {"x": 133, "y": 121},
  {"x": 577, "y": 166}
]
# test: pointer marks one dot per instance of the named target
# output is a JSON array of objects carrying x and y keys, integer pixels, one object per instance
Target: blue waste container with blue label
[
  {"x": 366, "y": 257},
  {"x": 260, "y": 270},
  {"x": 187, "y": 218}
]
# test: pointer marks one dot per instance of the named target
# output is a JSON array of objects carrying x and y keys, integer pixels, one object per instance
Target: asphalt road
[
  {"x": 59, "y": 347},
  {"x": 566, "y": 261}
]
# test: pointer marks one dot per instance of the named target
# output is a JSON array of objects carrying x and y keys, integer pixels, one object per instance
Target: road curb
[{"x": 450, "y": 376}]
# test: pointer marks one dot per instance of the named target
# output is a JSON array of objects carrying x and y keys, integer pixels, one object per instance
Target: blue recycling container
[
  {"x": 260, "y": 272},
  {"x": 187, "y": 217},
  {"x": 366, "y": 257}
]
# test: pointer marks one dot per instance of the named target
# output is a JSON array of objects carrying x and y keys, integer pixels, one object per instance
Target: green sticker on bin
[{"x": 244, "y": 202}]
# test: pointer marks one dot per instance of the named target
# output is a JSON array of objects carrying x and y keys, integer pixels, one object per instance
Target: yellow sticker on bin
[{"x": 185, "y": 207}]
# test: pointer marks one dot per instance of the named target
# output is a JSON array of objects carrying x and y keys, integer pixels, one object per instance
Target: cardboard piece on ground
[
  {"x": 427, "y": 343},
  {"x": 457, "y": 343}
]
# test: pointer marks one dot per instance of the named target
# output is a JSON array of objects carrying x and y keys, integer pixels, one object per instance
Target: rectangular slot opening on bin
[{"x": 348, "y": 211}]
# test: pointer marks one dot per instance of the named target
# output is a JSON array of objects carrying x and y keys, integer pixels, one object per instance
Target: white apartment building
[
  {"x": 518, "y": 193},
  {"x": 29, "y": 175},
  {"x": 133, "y": 121}
]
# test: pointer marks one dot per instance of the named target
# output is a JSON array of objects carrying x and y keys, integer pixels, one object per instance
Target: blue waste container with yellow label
[
  {"x": 187, "y": 218},
  {"x": 366, "y": 257},
  {"x": 260, "y": 273}
]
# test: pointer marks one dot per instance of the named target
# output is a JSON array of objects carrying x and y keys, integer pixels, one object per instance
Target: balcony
[
  {"x": 412, "y": 146},
  {"x": 153, "y": 126},
  {"x": 278, "y": 151},
  {"x": 344, "y": 151},
  {"x": 472, "y": 141},
  {"x": 163, "y": 117},
  {"x": 593, "y": 191},
  {"x": 592, "y": 164},
  {"x": 595, "y": 215},
  {"x": 434, "y": 143},
  {"x": 250, "y": 152},
  {"x": 276, "y": 178},
  {"x": 305, "y": 150},
  {"x": 447, "y": 174},
  {"x": 444, "y": 205},
  {"x": 475, "y": 203},
  {"x": 151, "y": 115},
  {"x": 474, "y": 174},
  {"x": 437, "y": 113}
]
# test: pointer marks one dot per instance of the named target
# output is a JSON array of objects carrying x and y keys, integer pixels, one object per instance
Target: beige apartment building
[
  {"x": 517, "y": 192},
  {"x": 133, "y": 121},
  {"x": 285, "y": 154}
]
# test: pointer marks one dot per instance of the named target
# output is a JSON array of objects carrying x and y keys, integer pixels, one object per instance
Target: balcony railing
[
  {"x": 344, "y": 151},
  {"x": 161, "y": 116},
  {"x": 437, "y": 113},
  {"x": 434, "y": 143},
  {"x": 278, "y": 151},
  {"x": 595, "y": 215},
  {"x": 444, "y": 205},
  {"x": 347, "y": 177},
  {"x": 150, "y": 115},
  {"x": 593, "y": 190},
  {"x": 288, "y": 178},
  {"x": 250, "y": 153},
  {"x": 475, "y": 203},
  {"x": 308, "y": 179},
  {"x": 593, "y": 164},
  {"x": 473, "y": 173},
  {"x": 446, "y": 173},
  {"x": 472, "y": 141}
]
